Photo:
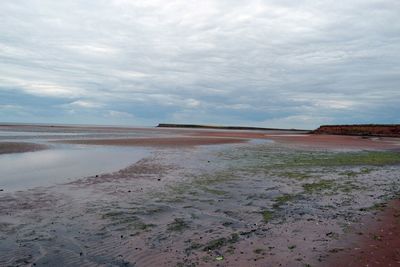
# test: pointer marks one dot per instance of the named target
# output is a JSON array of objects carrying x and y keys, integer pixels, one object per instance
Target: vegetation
[
  {"x": 295, "y": 175},
  {"x": 178, "y": 225},
  {"x": 126, "y": 220},
  {"x": 267, "y": 215},
  {"x": 283, "y": 199},
  {"x": 259, "y": 251},
  {"x": 318, "y": 186},
  {"x": 376, "y": 158},
  {"x": 220, "y": 242}
]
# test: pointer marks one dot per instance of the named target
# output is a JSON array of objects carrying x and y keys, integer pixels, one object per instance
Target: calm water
[
  {"x": 49, "y": 167},
  {"x": 64, "y": 163},
  {"x": 36, "y": 136}
]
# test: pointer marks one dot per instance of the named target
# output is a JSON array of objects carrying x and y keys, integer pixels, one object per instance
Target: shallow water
[
  {"x": 34, "y": 132},
  {"x": 49, "y": 167},
  {"x": 35, "y": 136}
]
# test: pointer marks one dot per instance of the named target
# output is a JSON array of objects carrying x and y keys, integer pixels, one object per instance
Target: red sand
[
  {"x": 231, "y": 134},
  {"x": 375, "y": 243},
  {"x": 157, "y": 142},
  {"x": 201, "y": 137}
]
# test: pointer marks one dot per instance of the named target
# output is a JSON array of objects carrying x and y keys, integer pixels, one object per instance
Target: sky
[{"x": 271, "y": 63}]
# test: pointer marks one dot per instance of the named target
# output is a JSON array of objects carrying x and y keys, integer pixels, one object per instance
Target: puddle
[
  {"x": 49, "y": 167},
  {"x": 260, "y": 141}
]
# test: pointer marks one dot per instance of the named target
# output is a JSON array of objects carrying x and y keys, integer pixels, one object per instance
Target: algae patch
[
  {"x": 318, "y": 186},
  {"x": 283, "y": 199},
  {"x": 178, "y": 225},
  {"x": 267, "y": 215},
  {"x": 220, "y": 242}
]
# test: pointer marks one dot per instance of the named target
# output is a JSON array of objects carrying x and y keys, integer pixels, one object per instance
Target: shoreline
[
  {"x": 199, "y": 126},
  {"x": 315, "y": 141},
  {"x": 184, "y": 138},
  {"x": 155, "y": 142}
]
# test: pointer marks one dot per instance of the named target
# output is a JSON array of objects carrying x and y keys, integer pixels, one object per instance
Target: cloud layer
[{"x": 272, "y": 63}]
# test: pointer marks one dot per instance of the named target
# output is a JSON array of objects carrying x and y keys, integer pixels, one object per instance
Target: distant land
[
  {"x": 387, "y": 130},
  {"x": 171, "y": 125},
  {"x": 379, "y": 130}
]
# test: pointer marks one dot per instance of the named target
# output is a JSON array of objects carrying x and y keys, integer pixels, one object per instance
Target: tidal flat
[{"x": 264, "y": 203}]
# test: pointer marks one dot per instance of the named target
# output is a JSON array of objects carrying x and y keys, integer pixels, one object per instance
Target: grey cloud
[{"x": 262, "y": 63}]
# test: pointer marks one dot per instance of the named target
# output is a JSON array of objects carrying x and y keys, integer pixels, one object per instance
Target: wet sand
[
  {"x": 306, "y": 140},
  {"x": 209, "y": 198},
  {"x": 19, "y": 147},
  {"x": 339, "y": 141},
  {"x": 373, "y": 242}
]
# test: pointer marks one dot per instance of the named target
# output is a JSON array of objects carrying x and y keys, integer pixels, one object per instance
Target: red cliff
[{"x": 389, "y": 130}]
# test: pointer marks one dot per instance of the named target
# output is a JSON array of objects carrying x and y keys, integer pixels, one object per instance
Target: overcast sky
[{"x": 273, "y": 63}]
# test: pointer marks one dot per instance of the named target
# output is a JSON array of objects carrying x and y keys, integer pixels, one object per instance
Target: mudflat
[
  {"x": 226, "y": 198},
  {"x": 19, "y": 147}
]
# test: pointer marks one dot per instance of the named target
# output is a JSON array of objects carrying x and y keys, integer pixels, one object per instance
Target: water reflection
[{"x": 49, "y": 167}]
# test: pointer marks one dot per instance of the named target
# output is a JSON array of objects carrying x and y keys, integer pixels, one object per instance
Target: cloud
[
  {"x": 84, "y": 104},
  {"x": 119, "y": 114},
  {"x": 255, "y": 62},
  {"x": 92, "y": 49},
  {"x": 335, "y": 104}
]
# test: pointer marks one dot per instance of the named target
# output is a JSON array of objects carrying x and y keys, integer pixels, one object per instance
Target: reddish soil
[
  {"x": 13, "y": 147},
  {"x": 338, "y": 141},
  {"x": 230, "y": 134},
  {"x": 156, "y": 142},
  {"x": 368, "y": 129},
  {"x": 374, "y": 242}
]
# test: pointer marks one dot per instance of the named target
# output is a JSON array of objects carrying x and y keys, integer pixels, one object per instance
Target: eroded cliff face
[{"x": 392, "y": 130}]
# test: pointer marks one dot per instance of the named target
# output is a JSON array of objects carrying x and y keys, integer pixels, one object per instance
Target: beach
[{"x": 123, "y": 196}]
